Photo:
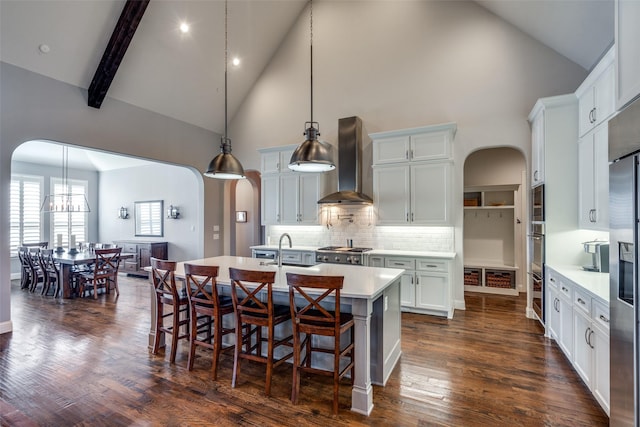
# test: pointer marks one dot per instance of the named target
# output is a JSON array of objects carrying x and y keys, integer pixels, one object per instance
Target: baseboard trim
[{"x": 6, "y": 327}]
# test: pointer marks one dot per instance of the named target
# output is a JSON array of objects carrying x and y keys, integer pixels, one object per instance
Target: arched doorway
[{"x": 243, "y": 217}]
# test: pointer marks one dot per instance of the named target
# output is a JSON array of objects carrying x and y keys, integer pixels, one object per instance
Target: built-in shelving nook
[{"x": 490, "y": 218}]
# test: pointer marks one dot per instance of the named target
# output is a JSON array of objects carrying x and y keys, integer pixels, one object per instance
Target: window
[
  {"x": 25, "y": 220},
  {"x": 148, "y": 216},
  {"x": 69, "y": 223}
]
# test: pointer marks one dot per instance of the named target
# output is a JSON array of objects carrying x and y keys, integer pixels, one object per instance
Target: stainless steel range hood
[{"x": 349, "y": 165}]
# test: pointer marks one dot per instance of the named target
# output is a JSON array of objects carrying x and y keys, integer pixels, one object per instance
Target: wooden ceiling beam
[{"x": 117, "y": 47}]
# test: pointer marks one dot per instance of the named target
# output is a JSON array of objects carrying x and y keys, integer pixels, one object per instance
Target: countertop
[
  {"x": 593, "y": 282},
  {"x": 359, "y": 281},
  {"x": 382, "y": 252}
]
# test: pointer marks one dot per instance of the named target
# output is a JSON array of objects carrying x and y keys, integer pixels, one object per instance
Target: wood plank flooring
[{"x": 85, "y": 363}]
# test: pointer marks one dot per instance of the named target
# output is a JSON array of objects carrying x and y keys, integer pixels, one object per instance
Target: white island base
[{"x": 371, "y": 294}]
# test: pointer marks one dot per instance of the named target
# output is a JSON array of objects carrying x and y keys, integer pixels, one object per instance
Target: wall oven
[
  {"x": 537, "y": 203},
  {"x": 536, "y": 269}
]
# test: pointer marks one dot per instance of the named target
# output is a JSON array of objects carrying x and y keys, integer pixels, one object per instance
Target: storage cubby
[{"x": 489, "y": 239}]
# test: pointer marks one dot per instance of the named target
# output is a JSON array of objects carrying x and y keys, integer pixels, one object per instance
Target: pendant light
[
  {"x": 225, "y": 165},
  {"x": 312, "y": 155},
  {"x": 65, "y": 201}
]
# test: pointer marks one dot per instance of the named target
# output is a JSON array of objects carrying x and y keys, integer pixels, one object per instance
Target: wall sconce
[
  {"x": 173, "y": 212},
  {"x": 123, "y": 213}
]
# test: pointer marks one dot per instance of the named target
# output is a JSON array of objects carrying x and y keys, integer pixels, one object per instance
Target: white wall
[
  {"x": 404, "y": 64},
  {"x": 174, "y": 185}
]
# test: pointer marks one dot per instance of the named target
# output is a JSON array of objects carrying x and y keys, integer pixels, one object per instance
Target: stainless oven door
[{"x": 537, "y": 203}]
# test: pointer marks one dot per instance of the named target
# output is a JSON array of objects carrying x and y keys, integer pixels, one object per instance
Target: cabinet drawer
[
  {"x": 582, "y": 302},
  {"x": 432, "y": 265},
  {"x": 601, "y": 314},
  {"x": 129, "y": 248},
  {"x": 553, "y": 280},
  {"x": 292, "y": 257},
  {"x": 565, "y": 289},
  {"x": 130, "y": 266},
  {"x": 406, "y": 263}
]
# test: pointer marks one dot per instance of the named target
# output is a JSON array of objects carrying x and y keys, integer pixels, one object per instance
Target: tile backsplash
[{"x": 358, "y": 223}]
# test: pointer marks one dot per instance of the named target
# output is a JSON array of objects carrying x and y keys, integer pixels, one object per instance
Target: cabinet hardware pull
[
  {"x": 604, "y": 319},
  {"x": 431, "y": 266},
  {"x": 411, "y": 153},
  {"x": 552, "y": 279},
  {"x": 586, "y": 336},
  {"x": 398, "y": 263},
  {"x": 407, "y": 216},
  {"x": 595, "y": 110},
  {"x": 565, "y": 289},
  {"x": 406, "y": 154},
  {"x": 535, "y": 175},
  {"x": 581, "y": 301},
  {"x": 590, "y": 334},
  {"x": 418, "y": 280},
  {"x": 411, "y": 216}
]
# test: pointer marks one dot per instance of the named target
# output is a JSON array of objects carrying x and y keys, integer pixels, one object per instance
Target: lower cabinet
[
  {"x": 425, "y": 285},
  {"x": 142, "y": 251},
  {"x": 579, "y": 323}
]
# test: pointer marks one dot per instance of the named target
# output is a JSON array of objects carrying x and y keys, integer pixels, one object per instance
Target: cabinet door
[
  {"x": 586, "y": 182},
  {"x": 582, "y": 355},
  {"x": 375, "y": 261},
  {"x": 309, "y": 193},
  {"x": 408, "y": 289},
  {"x": 432, "y": 291},
  {"x": 270, "y": 199},
  {"x": 285, "y": 158},
  {"x": 430, "y": 193},
  {"x": 391, "y": 150},
  {"x": 270, "y": 162},
  {"x": 586, "y": 112},
  {"x": 430, "y": 146},
  {"x": 391, "y": 194},
  {"x": 537, "y": 150},
  {"x": 553, "y": 310},
  {"x": 566, "y": 342},
  {"x": 600, "y": 384},
  {"x": 627, "y": 34},
  {"x": 601, "y": 180},
  {"x": 289, "y": 198},
  {"x": 144, "y": 255},
  {"x": 604, "y": 95}
]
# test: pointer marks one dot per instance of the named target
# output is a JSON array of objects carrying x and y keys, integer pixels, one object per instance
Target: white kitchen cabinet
[
  {"x": 560, "y": 311},
  {"x": 288, "y": 198},
  {"x": 593, "y": 180},
  {"x": 298, "y": 257},
  {"x": 579, "y": 322},
  {"x": 425, "y": 284},
  {"x": 596, "y": 94},
  {"x": 416, "y": 144},
  {"x": 417, "y": 194},
  {"x": 537, "y": 148},
  {"x": 627, "y": 34},
  {"x": 412, "y": 175},
  {"x": 374, "y": 260}
]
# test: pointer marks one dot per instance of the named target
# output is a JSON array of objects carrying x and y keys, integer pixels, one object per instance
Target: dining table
[
  {"x": 371, "y": 294},
  {"x": 69, "y": 260}
]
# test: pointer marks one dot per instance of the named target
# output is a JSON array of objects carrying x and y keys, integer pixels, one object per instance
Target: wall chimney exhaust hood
[{"x": 349, "y": 165}]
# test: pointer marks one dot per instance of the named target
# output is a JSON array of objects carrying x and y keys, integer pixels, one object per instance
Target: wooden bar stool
[
  {"x": 164, "y": 283},
  {"x": 314, "y": 319},
  {"x": 252, "y": 315},
  {"x": 207, "y": 311}
]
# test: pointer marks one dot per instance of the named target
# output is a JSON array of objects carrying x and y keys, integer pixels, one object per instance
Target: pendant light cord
[
  {"x": 311, "y": 53},
  {"x": 225, "y": 72}
]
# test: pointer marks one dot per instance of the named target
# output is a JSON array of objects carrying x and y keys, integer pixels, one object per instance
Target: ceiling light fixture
[
  {"x": 225, "y": 165},
  {"x": 312, "y": 155},
  {"x": 184, "y": 27},
  {"x": 65, "y": 201},
  {"x": 236, "y": 61}
]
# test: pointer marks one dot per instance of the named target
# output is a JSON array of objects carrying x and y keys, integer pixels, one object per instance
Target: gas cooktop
[{"x": 343, "y": 249}]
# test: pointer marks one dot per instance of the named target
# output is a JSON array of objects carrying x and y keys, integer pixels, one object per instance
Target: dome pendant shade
[
  {"x": 312, "y": 155},
  {"x": 225, "y": 165}
]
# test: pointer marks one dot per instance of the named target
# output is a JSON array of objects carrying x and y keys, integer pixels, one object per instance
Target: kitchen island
[{"x": 371, "y": 294}]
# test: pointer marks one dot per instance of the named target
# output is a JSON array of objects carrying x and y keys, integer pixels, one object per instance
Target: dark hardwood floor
[{"x": 85, "y": 363}]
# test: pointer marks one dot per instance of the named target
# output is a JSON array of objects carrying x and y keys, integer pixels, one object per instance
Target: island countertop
[{"x": 359, "y": 281}]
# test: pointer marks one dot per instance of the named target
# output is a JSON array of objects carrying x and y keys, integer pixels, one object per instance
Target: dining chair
[
  {"x": 208, "y": 308},
  {"x": 252, "y": 316},
  {"x": 51, "y": 272},
  {"x": 314, "y": 318},
  {"x": 164, "y": 284},
  {"x": 36, "y": 275},
  {"x": 103, "y": 274},
  {"x": 25, "y": 267}
]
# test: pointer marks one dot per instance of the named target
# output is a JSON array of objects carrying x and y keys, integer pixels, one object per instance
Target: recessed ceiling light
[
  {"x": 184, "y": 27},
  {"x": 236, "y": 61},
  {"x": 44, "y": 48}
]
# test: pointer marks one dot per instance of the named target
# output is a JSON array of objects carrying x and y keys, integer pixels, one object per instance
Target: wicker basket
[
  {"x": 472, "y": 277},
  {"x": 500, "y": 279}
]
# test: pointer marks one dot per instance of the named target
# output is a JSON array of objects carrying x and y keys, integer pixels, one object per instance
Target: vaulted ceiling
[{"x": 181, "y": 75}]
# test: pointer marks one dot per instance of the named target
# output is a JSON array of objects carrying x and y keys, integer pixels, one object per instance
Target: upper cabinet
[
  {"x": 287, "y": 197},
  {"x": 627, "y": 34},
  {"x": 412, "y": 175},
  {"x": 413, "y": 145},
  {"x": 593, "y": 180},
  {"x": 537, "y": 147},
  {"x": 596, "y": 95}
]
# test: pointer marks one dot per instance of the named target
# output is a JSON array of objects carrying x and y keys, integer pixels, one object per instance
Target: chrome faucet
[{"x": 280, "y": 247}]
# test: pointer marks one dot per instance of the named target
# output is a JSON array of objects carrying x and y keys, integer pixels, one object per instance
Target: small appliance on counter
[{"x": 599, "y": 251}]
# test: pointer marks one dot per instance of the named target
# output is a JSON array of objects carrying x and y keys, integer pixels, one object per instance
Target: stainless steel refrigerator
[{"x": 624, "y": 216}]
